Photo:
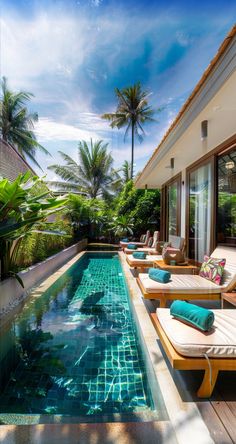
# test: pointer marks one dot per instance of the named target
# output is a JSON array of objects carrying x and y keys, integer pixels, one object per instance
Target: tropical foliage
[
  {"x": 39, "y": 246},
  {"x": 140, "y": 206},
  {"x": 126, "y": 171},
  {"x": 25, "y": 223},
  {"x": 20, "y": 214},
  {"x": 93, "y": 175},
  {"x": 122, "y": 226},
  {"x": 131, "y": 212},
  {"x": 132, "y": 112},
  {"x": 88, "y": 217},
  {"x": 17, "y": 124}
]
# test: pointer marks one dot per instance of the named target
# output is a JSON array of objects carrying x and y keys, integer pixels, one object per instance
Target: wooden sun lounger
[
  {"x": 141, "y": 264},
  {"x": 186, "y": 287},
  {"x": 180, "y": 362},
  {"x": 164, "y": 297}
]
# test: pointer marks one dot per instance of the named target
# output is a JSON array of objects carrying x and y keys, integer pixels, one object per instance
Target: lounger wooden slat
[{"x": 180, "y": 362}]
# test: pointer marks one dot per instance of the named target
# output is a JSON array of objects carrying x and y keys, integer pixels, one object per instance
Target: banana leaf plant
[{"x": 20, "y": 213}]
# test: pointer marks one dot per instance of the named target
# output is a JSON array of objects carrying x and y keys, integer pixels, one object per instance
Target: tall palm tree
[
  {"x": 17, "y": 124},
  {"x": 126, "y": 171},
  {"x": 93, "y": 175},
  {"x": 132, "y": 111}
]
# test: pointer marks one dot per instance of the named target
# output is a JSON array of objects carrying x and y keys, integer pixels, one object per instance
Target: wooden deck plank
[
  {"x": 217, "y": 430},
  {"x": 226, "y": 417},
  {"x": 226, "y": 391},
  {"x": 232, "y": 407}
]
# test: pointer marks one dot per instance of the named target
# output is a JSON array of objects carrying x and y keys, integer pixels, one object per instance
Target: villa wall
[
  {"x": 220, "y": 112},
  {"x": 11, "y": 292},
  {"x": 11, "y": 162}
]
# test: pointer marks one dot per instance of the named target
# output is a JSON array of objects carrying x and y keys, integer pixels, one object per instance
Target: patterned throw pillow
[{"x": 212, "y": 269}]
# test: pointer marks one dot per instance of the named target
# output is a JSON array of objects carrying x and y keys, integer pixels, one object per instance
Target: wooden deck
[{"x": 218, "y": 412}]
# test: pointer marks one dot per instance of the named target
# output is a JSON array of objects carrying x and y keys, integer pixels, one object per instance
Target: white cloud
[
  {"x": 47, "y": 129},
  {"x": 183, "y": 38},
  {"x": 90, "y": 125},
  {"x": 96, "y": 2}
]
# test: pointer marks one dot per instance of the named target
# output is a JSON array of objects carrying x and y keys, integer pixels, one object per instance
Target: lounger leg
[{"x": 206, "y": 388}]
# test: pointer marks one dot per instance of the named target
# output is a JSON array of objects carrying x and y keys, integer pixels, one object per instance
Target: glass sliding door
[
  {"x": 172, "y": 200},
  {"x": 226, "y": 198},
  {"x": 173, "y": 207},
  {"x": 200, "y": 211}
]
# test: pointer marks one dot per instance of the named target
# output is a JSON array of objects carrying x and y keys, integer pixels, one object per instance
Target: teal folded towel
[
  {"x": 199, "y": 317},
  {"x": 139, "y": 255},
  {"x": 159, "y": 275},
  {"x": 132, "y": 247},
  {"x": 125, "y": 240}
]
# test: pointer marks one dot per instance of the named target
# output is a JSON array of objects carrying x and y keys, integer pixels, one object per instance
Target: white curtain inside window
[{"x": 201, "y": 191}]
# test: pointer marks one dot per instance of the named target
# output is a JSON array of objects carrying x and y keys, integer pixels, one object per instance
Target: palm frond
[
  {"x": 92, "y": 174},
  {"x": 17, "y": 124}
]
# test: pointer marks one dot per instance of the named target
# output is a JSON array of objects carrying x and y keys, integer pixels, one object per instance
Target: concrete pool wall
[{"x": 11, "y": 292}]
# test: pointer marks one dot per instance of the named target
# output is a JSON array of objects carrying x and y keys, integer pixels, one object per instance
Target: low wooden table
[
  {"x": 176, "y": 269},
  {"x": 228, "y": 299}
]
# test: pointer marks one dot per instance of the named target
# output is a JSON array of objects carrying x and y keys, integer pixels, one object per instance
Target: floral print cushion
[{"x": 212, "y": 269}]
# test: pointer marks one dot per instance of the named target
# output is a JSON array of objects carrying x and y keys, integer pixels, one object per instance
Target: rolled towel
[
  {"x": 139, "y": 255},
  {"x": 159, "y": 275},
  {"x": 132, "y": 247},
  {"x": 199, "y": 317}
]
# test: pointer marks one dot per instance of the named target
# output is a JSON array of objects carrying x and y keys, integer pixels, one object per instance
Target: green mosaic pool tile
[{"x": 95, "y": 366}]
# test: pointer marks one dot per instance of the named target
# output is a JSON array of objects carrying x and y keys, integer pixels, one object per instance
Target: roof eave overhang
[{"x": 220, "y": 68}]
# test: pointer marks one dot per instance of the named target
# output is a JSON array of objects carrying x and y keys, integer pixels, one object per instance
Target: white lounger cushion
[
  {"x": 180, "y": 283},
  {"x": 220, "y": 342},
  {"x": 148, "y": 261}
]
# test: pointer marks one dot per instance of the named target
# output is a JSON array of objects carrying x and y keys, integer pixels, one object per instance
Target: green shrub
[
  {"x": 140, "y": 206},
  {"x": 36, "y": 247}
]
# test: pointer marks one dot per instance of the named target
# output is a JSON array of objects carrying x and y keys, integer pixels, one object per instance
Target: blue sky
[{"x": 72, "y": 54}]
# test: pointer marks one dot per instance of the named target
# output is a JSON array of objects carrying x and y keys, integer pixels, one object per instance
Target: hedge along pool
[{"x": 73, "y": 354}]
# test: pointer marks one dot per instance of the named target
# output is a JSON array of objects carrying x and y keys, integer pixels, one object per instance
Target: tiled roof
[{"x": 11, "y": 162}]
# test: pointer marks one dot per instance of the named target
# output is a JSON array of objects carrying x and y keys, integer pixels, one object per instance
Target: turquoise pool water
[{"x": 74, "y": 351}]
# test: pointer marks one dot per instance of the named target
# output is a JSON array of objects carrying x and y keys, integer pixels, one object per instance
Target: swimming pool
[{"x": 73, "y": 354}]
